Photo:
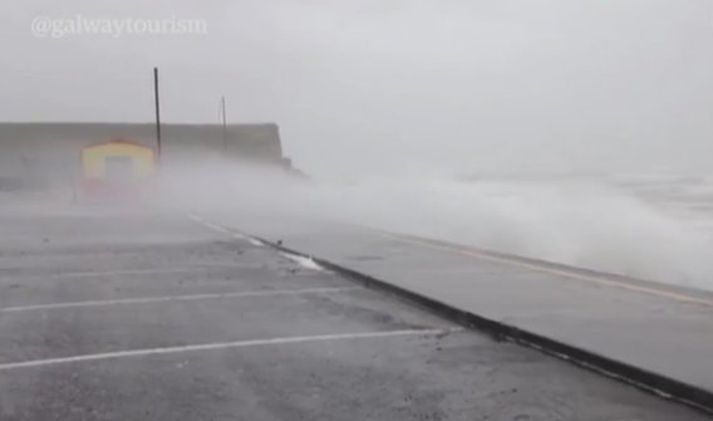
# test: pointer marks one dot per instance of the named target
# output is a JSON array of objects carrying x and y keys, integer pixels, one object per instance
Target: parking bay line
[
  {"x": 125, "y": 272},
  {"x": 176, "y": 298},
  {"x": 226, "y": 345}
]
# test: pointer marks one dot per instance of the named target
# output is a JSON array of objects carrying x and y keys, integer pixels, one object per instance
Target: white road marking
[
  {"x": 305, "y": 262},
  {"x": 219, "y": 228},
  {"x": 208, "y": 224},
  {"x": 174, "y": 298},
  {"x": 225, "y": 345},
  {"x": 90, "y": 274},
  {"x": 255, "y": 242}
]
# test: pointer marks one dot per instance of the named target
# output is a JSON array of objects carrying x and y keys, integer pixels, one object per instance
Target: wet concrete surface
[
  {"x": 430, "y": 371},
  {"x": 603, "y": 314}
]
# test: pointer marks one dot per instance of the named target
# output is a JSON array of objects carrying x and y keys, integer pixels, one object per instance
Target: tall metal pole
[
  {"x": 224, "y": 122},
  {"x": 158, "y": 113}
]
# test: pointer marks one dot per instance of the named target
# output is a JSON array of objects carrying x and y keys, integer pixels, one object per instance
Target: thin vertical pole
[
  {"x": 158, "y": 113},
  {"x": 224, "y": 122}
]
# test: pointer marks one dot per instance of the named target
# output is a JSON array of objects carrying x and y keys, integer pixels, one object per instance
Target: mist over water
[{"x": 631, "y": 225}]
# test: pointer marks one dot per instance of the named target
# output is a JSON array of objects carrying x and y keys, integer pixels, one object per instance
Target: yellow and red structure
[{"x": 117, "y": 169}]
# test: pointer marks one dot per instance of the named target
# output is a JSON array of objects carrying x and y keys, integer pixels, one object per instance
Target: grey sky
[{"x": 396, "y": 85}]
